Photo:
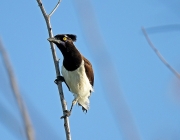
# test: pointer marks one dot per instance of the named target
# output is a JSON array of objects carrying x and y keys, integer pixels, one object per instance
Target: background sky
[{"x": 149, "y": 90}]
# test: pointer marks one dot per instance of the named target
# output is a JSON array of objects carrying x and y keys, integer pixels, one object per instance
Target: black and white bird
[{"x": 77, "y": 71}]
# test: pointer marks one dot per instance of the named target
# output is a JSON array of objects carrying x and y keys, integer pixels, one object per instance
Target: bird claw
[
  {"x": 66, "y": 114},
  {"x": 59, "y": 78}
]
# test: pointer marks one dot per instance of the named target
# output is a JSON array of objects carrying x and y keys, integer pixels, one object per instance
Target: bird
[{"x": 77, "y": 71}]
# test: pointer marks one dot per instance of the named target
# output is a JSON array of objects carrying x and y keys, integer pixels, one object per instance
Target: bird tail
[{"x": 84, "y": 102}]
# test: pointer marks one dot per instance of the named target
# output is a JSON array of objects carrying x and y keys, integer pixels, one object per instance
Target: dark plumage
[
  {"x": 61, "y": 36},
  {"x": 77, "y": 71}
]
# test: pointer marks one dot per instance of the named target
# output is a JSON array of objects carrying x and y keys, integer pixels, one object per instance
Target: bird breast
[{"x": 78, "y": 81}]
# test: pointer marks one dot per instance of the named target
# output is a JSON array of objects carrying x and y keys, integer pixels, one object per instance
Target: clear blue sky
[{"x": 148, "y": 87}]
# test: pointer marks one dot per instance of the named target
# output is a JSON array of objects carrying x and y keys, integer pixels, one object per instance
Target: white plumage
[{"x": 79, "y": 84}]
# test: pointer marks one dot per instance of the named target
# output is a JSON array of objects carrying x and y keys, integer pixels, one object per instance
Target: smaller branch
[
  {"x": 55, "y": 8},
  {"x": 159, "y": 55},
  {"x": 13, "y": 83}
]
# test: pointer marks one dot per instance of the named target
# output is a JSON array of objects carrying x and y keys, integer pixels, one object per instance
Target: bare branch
[
  {"x": 159, "y": 55},
  {"x": 42, "y": 8},
  {"x": 57, "y": 5},
  {"x": 24, "y": 113},
  {"x": 56, "y": 63}
]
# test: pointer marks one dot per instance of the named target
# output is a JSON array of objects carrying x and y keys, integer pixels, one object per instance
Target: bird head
[{"x": 62, "y": 38}]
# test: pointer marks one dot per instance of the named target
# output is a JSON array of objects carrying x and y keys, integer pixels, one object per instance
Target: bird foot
[
  {"x": 66, "y": 114},
  {"x": 59, "y": 78}
]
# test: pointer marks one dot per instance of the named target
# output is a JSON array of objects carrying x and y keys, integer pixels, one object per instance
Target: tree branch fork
[{"x": 56, "y": 64}]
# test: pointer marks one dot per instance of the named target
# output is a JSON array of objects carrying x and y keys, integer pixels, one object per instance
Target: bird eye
[{"x": 64, "y": 38}]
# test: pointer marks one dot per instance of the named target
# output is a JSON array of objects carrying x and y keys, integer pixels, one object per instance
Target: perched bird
[{"x": 77, "y": 71}]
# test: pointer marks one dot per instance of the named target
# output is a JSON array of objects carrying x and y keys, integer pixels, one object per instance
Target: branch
[
  {"x": 159, "y": 55},
  {"x": 56, "y": 63},
  {"x": 57, "y": 5},
  {"x": 24, "y": 113}
]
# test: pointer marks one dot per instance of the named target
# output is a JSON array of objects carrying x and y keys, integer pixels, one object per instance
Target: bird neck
[
  {"x": 72, "y": 57},
  {"x": 72, "y": 61}
]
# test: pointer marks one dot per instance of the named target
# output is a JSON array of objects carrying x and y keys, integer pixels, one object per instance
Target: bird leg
[
  {"x": 68, "y": 113},
  {"x": 60, "y": 78}
]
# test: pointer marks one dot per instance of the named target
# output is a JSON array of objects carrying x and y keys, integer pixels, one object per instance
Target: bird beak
[{"x": 54, "y": 40}]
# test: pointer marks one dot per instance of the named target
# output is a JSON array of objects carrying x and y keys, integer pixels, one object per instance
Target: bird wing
[{"x": 89, "y": 71}]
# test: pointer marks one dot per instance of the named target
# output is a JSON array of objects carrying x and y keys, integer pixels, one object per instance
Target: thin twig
[
  {"x": 24, "y": 113},
  {"x": 159, "y": 55},
  {"x": 56, "y": 63},
  {"x": 57, "y": 5}
]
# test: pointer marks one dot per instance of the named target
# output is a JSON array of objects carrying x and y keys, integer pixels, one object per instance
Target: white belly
[{"x": 79, "y": 84}]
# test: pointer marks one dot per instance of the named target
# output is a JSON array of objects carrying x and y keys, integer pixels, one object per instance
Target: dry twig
[
  {"x": 24, "y": 113},
  {"x": 159, "y": 55},
  {"x": 56, "y": 63}
]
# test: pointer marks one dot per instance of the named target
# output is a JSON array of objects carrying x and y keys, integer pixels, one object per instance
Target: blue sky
[{"x": 147, "y": 86}]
